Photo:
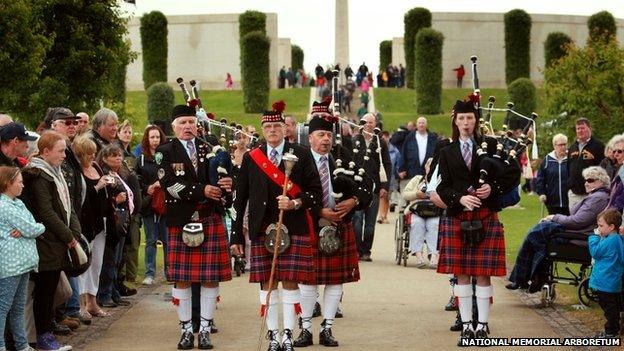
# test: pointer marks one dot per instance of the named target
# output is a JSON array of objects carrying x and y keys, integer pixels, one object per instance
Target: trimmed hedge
[
  {"x": 523, "y": 94},
  {"x": 296, "y": 59},
  {"x": 601, "y": 25},
  {"x": 160, "y": 102},
  {"x": 414, "y": 20},
  {"x": 154, "y": 43},
  {"x": 255, "y": 69},
  {"x": 555, "y": 47},
  {"x": 517, "y": 45},
  {"x": 428, "y": 71},
  {"x": 251, "y": 21},
  {"x": 385, "y": 54}
]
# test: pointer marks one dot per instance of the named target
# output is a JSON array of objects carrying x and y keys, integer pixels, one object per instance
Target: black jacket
[
  {"x": 72, "y": 172},
  {"x": 146, "y": 170},
  {"x": 372, "y": 165},
  {"x": 592, "y": 155},
  {"x": 456, "y": 178},
  {"x": 256, "y": 190}
]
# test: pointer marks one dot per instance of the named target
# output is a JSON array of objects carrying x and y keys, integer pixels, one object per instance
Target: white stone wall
[
  {"x": 284, "y": 54},
  {"x": 201, "y": 47},
  {"x": 483, "y": 34}
]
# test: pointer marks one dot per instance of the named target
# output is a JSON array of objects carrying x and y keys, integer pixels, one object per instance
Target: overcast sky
[{"x": 310, "y": 23}]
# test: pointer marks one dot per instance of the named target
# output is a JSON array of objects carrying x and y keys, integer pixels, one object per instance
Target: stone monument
[{"x": 342, "y": 33}]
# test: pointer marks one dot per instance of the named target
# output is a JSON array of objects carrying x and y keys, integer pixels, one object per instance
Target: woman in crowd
[
  {"x": 110, "y": 158},
  {"x": 152, "y": 213},
  {"x": 608, "y": 162},
  {"x": 616, "y": 196},
  {"x": 18, "y": 231},
  {"x": 95, "y": 218},
  {"x": 423, "y": 226},
  {"x": 582, "y": 219},
  {"x": 47, "y": 197},
  {"x": 552, "y": 177}
]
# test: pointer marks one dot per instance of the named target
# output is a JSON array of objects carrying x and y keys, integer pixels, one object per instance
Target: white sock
[
  {"x": 182, "y": 302},
  {"x": 208, "y": 305},
  {"x": 308, "y": 299},
  {"x": 464, "y": 295},
  {"x": 272, "y": 320},
  {"x": 290, "y": 302},
  {"x": 483, "y": 293},
  {"x": 331, "y": 301}
]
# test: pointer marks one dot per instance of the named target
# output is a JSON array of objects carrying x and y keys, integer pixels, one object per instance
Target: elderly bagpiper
[
  {"x": 260, "y": 186},
  {"x": 335, "y": 255},
  {"x": 198, "y": 247}
]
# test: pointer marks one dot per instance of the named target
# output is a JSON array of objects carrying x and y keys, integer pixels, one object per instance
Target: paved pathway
[{"x": 392, "y": 307}]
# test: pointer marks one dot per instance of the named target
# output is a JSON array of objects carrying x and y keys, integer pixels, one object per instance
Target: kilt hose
[
  {"x": 296, "y": 264},
  {"x": 341, "y": 267},
  {"x": 486, "y": 259},
  {"x": 207, "y": 263}
]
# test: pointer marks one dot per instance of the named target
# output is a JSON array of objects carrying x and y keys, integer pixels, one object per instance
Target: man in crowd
[
  {"x": 364, "y": 220},
  {"x": 83, "y": 122},
  {"x": 14, "y": 145},
  {"x": 290, "y": 129},
  {"x": 398, "y": 138},
  {"x": 198, "y": 249},
  {"x": 259, "y": 186},
  {"x": 417, "y": 148},
  {"x": 104, "y": 129},
  {"x": 586, "y": 151}
]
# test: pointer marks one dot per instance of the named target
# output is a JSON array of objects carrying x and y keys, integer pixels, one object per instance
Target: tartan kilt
[
  {"x": 487, "y": 259},
  {"x": 296, "y": 264},
  {"x": 207, "y": 263},
  {"x": 342, "y": 267}
]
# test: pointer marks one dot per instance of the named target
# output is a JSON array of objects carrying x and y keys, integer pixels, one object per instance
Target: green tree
[
  {"x": 428, "y": 71},
  {"x": 414, "y": 20},
  {"x": 385, "y": 54},
  {"x": 154, "y": 34},
  {"x": 555, "y": 47},
  {"x": 601, "y": 25},
  {"x": 588, "y": 82},
  {"x": 255, "y": 68},
  {"x": 160, "y": 102},
  {"x": 517, "y": 45},
  {"x": 250, "y": 21},
  {"x": 22, "y": 54},
  {"x": 524, "y": 96},
  {"x": 296, "y": 54}
]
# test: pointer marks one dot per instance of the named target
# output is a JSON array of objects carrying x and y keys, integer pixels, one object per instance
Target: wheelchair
[
  {"x": 402, "y": 238},
  {"x": 572, "y": 249}
]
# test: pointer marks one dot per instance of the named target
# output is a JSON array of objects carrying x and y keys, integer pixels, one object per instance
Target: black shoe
[
  {"x": 327, "y": 339},
  {"x": 107, "y": 304},
  {"x": 482, "y": 333},
  {"x": 203, "y": 342},
  {"x": 126, "y": 291},
  {"x": 452, "y": 304},
  {"x": 59, "y": 329},
  {"x": 272, "y": 336},
  {"x": 339, "y": 313},
  {"x": 187, "y": 341},
  {"x": 466, "y": 334},
  {"x": 287, "y": 345},
  {"x": 304, "y": 339},
  {"x": 317, "y": 310},
  {"x": 367, "y": 258},
  {"x": 513, "y": 286},
  {"x": 122, "y": 302},
  {"x": 458, "y": 326}
]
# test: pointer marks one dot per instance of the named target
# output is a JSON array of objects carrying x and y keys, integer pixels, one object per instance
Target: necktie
[
  {"x": 274, "y": 157},
  {"x": 467, "y": 154},
  {"x": 192, "y": 153},
  {"x": 324, "y": 172}
]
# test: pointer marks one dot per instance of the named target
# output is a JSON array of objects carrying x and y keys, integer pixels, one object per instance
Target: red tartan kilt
[
  {"x": 486, "y": 259},
  {"x": 209, "y": 262},
  {"x": 295, "y": 264},
  {"x": 341, "y": 267}
]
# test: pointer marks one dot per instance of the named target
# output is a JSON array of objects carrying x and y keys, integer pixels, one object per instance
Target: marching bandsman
[
  {"x": 259, "y": 186},
  {"x": 332, "y": 268},
  {"x": 472, "y": 242},
  {"x": 198, "y": 248}
]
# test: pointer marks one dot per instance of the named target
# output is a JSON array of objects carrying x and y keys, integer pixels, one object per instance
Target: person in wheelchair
[
  {"x": 606, "y": 247},
  {"x": 425, "y": 218},
  {"x": 582, "y": 219}
]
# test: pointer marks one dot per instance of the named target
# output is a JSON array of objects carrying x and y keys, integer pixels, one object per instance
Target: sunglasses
[
  {"x": 590, "y": 180},
  {"x": 618, "y": 151},
  {"x": 69, "y": 122}
]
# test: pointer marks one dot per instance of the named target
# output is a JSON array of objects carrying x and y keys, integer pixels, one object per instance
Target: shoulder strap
[{"x": 272, "y": 172}]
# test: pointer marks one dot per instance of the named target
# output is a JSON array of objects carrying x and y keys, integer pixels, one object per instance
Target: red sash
[{"x": 278, "y": 177}]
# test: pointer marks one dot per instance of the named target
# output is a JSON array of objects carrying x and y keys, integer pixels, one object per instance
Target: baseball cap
[{"x": 15, "y": 130}]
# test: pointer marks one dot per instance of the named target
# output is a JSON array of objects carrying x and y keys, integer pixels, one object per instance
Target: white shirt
[
  {"x": 279, "y": 149},
  {"x": 421, "y": 140},
  {"x": 317, "y": 161}
]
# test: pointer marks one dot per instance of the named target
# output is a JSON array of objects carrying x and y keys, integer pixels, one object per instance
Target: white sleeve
[{"x": 435, "y": 180}]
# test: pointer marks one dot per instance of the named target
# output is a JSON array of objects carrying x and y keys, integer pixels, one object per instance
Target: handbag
[
  {"x": 157, "y": 204},
  {"x": 122, "y": 220},
  {"x": 471, "y": 232},
  {"x": 79, "y": 257},
  {"x": 426, "y": 209}
]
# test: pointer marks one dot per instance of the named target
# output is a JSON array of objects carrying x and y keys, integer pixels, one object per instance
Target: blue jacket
[
  {"x": 552, "y": 181},
  {"x": 17, "y": 255},
  {"x": 409, "y": 154},
  {"x": 608, "y": 254}
]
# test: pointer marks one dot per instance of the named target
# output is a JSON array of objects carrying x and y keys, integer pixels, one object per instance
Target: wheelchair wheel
[
  {"x": 398, "y": 237},
  {"x": 585, "y": 294},
  {"x": 548, "y": 295}
]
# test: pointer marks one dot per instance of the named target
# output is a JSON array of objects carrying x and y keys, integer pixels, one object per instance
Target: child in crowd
[{"x": 607, "y": 249}]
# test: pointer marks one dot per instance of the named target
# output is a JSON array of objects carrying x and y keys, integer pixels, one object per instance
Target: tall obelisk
[{"x": 342, "y": 33}]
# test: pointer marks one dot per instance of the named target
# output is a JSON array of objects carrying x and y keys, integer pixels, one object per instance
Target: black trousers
[
  {"x": 558, "y": 210},
  {"x": 611, "y": 305},
  {"x": 43, "y": 303}
]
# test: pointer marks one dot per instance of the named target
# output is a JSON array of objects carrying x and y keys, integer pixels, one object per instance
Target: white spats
[
  {"x": 272, "y": 320},
  {"x": 182, "y": 302},
  {"x": 331, "y": 301},
  {"x": 483, "y": 293},
  {"x": 208, "y": 305},
  {"x": 464, "y": 295},
  {"x": 291, "y": 307},
  {"x": 308, "y": 299}
]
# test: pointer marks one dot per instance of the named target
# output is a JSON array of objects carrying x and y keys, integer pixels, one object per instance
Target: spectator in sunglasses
[{"x": 616, "y": 195}]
